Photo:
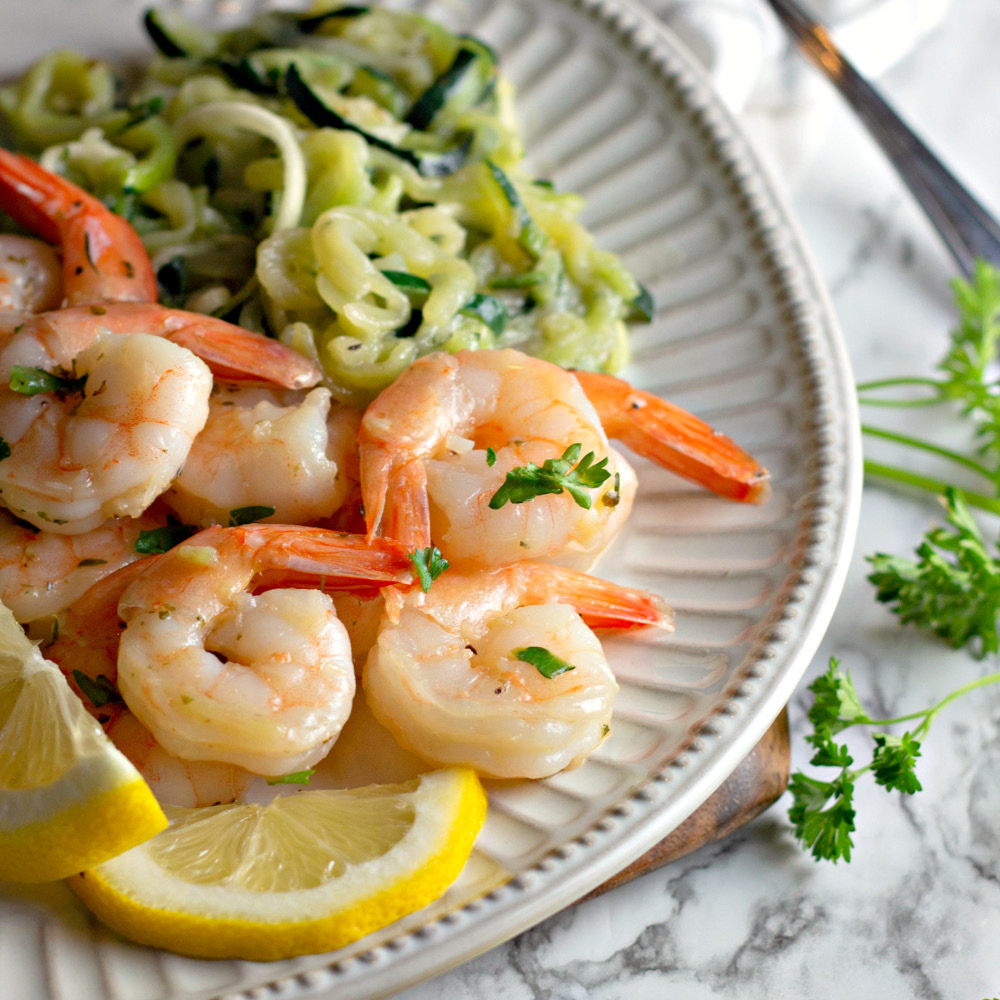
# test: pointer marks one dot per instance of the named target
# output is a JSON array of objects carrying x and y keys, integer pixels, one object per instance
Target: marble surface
[{"x": 917, "y": 911}]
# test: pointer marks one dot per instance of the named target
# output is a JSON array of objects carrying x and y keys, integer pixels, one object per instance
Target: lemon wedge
[
  {"x": 68, "y": 799},
  {"x": 309, "y": 872}
]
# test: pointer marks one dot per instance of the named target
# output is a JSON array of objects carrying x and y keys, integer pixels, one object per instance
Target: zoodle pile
[
  {"x": 351, "y": 182},
  {"x": 304, "y": 404}
]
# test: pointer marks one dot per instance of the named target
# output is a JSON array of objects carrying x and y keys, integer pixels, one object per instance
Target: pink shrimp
[
  {"x": 103, "y": 259},
  {"x": 262, "y": 681},
  {"x": 455, "y": 673},
  {"x": 437, "y": 445}
]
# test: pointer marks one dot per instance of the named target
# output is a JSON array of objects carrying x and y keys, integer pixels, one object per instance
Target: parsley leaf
[
  {"x": 31, "y": 381},
  {"x": 429, "y": 564},
  {"x": 894, "y": 760},
  {"x": 953, "y": 588},
  {"x": 99, "y": 690},
  {"x": 295, "y": 778},
  {"x": 825, "y": 829},
  {"x": 545, "y": 662},
  {"x": 156, "y": 540},
  {"x": 491, "y": 457},
  {"x": 247, "y": 515},
  {"x": 837, "y": 705},
  {"x": 555, "y": 475}
]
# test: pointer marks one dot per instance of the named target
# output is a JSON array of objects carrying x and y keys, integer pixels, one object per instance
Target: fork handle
[{"x": 967, "y": 229}]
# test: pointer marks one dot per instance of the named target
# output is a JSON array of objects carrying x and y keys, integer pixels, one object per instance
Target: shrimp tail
[
  {"x": 103, "y": 257},
  {"x": 235, "y": 354},
  {"x": 294, "y": 556},
  {"x": 231, "y": 352},
  {"x": 600, "y": 603},
  {"x": 675, "y": 439},
  {"x": 409, "y": 511}
]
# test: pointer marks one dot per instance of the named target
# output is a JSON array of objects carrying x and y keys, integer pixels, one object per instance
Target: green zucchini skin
[{"x": 319, "y": 113}]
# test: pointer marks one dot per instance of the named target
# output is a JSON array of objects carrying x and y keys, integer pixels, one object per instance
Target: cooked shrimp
[
  {"x": 80, "y": 452},
  {"x": 229, "y": 351},
  {"x": 424, "y": 460},
  {"x": 86, "y": 648},
  {"x": 30, "y": 275},
  {"x": 175, "y": 782},
  {"x": 448, "y": 676},
  {"x": 262, "y": 447},
  {"x": 427, "y": 443},
  {"x": 42, "y": 573},
  {"x": 103, "y": 259},
  {"x": 265, "y": 682}
]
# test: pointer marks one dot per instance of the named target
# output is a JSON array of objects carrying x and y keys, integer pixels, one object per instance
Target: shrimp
[
  {"x": 86, "y": 649},
  {"x": 264, "y": 682},
  {"x": 262, "y": 447},
  {"x": 108, "y": 282},
  {"x": 230, "y": 351},
  {"x": 42, "y": 573},
  {"x": 103, "y": 259},
  {"x": 30, "y": 276},
  {"x": 424, "y": 460},
  {"x": 449, "y": 679},
  {"x": 105, "y": 442},
  {"x": 175, "y": 782},
  {"x": 437, "y": 445}
]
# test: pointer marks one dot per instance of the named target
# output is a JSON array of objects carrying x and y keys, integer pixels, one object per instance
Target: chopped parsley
[
  {"x": 99, "y": 690},
  {"x": 555, "y": 475},
  {"x": 157, "y": 540},
  {"x": 247, "y": 515},
  {"x": 429, "y": 565},
  {"x": 31, "y": 381},
  {"x": 545, "y": 662},
  {"x": 295, "y": 778}
]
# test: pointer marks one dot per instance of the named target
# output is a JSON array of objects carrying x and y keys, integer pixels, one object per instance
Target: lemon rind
[{"x": 337, "y": 913}]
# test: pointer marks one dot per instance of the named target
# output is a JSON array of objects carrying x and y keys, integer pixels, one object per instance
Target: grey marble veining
[{"x": 916, "y": 914}]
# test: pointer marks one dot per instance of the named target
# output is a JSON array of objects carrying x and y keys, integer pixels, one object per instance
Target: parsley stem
[
  {"x": 929, "y": 713},
  {"x": 913, "y": 442},
  {"x": 888, "y": 383},
  {"x": 889, "y": 472}
]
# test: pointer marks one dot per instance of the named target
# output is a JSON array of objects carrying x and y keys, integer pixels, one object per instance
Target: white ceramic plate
[{"x": 745, "y": 337}]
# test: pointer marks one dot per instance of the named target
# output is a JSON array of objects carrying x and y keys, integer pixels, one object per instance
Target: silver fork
[{"x": 968, "y": 230}]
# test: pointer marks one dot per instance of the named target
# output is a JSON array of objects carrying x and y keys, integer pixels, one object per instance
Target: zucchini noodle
[{"x": 349, "y": 180}]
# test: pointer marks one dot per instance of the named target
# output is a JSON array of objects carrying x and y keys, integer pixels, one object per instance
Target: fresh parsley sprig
[
  {"x": 822, "y": 811},
  {"x": 570, "y": 473},
  {"x": 952, "y": 588},
  {"x": 968, "y": 379}
]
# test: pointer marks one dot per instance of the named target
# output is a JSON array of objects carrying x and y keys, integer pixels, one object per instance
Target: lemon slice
[
  {"x": 308, "y": 873},
  {"x": 68, "y": 799}
]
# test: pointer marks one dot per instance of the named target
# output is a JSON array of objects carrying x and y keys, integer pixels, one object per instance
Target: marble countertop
[{"x": 916, "y": 912}]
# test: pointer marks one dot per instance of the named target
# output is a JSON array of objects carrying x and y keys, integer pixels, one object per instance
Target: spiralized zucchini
[{"x": 350, "y": 180}]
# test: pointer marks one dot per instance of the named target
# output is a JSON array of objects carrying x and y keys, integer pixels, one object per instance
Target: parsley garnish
[
  {"x": 296, "y": 778},
  {"x": 953, "y": 588},
  {"x": 4, "y": 449},
  {"x": 247, "y": 515},
  {"x": 822, "y": 812},
  {"x": 31, "y": 381},
  {"x": 99, "y": 690},
  {"x": 429, "y": 564},
  {"x": 491, "y": 457},
  {"x": 554, "y": 476},
  {"x": 157, "y": 540},
  {"x": 545, "y": 662}
]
